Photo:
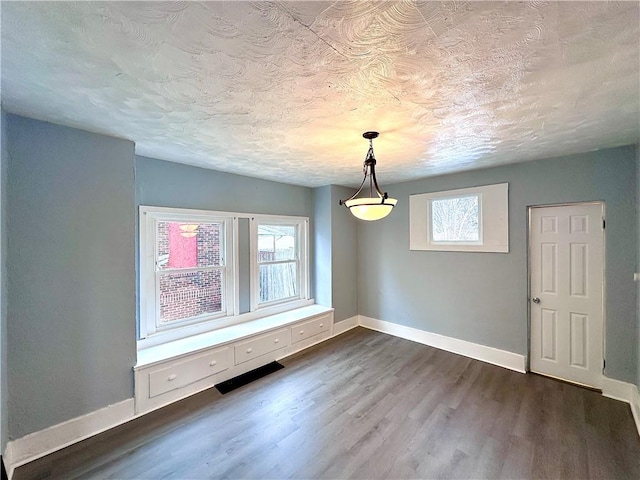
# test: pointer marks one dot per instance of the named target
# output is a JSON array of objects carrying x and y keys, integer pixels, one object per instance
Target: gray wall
[
  {"x": 344, "y": 256},
  {"x": 482, "y": 297},
  {"x": 244, "y": 266},
  {"x": 71, "y": 290},
  {"x": 167, "y": 184},
  {"x": 323, "y": 244},
  {"x": 638, "y": 257},
  {"x": 336, "y": 260},
  {"x": 4, "y": 417}
]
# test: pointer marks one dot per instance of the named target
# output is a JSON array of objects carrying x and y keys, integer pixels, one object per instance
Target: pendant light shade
[
  {"x": 373, "y": 207},
  {"x": 370, "y": 208}
]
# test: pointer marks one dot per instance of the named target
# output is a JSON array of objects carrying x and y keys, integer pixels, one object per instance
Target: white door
[{"x": 567, "y": 267}]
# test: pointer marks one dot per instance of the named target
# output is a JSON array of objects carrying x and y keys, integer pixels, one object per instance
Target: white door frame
[{"x": 604, "y": 277}]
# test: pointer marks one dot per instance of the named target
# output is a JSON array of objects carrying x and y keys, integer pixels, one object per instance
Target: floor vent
[{"x": 241, "y": 380}]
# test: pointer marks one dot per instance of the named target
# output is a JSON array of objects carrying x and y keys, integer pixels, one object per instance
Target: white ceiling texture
[{"x": 284, "y": 90}]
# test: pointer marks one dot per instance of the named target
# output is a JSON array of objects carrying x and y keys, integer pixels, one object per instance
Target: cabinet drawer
[
  {"x": 180, "y": 374},
  {"x": 310, "y": 328},
  {"x": 255, "y": 347}
]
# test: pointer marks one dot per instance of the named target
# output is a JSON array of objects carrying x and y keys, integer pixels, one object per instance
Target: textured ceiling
[{"x": 284, "y": 90}]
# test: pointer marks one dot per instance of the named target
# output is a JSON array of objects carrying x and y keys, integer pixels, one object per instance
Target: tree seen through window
[{"x": 455, "y": 219}]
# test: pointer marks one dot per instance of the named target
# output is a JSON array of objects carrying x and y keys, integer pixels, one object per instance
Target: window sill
[{"x": 187, "y": 346}]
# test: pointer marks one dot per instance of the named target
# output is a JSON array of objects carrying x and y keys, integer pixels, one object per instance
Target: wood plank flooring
[{"x": 372, "y": 406}]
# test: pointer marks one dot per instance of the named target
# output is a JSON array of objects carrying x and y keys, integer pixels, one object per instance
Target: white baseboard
[
  {"x": 38, "y": 444},
  {"x": 617, "y": 389},
  {"x": 635, "y": 407},
  {"x": 502, "y": 358},
  {"x": 344, "y": 325},
  {"x": 625, "y": 392}
]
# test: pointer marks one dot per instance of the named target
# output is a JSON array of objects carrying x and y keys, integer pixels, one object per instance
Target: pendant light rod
[
  {"x": 372, "y": 207},
  {"x": 369, "y": 170},
  {"x": 370, "y": 162}
]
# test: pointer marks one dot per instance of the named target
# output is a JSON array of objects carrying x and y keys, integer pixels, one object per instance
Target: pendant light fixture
[{"x": 371, "y": 207}]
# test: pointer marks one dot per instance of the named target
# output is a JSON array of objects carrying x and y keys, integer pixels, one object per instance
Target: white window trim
[
  {"x": 302, "y": 226},
  {"x": 149, "y": 336},
  {"x": 493, "y": 204}
]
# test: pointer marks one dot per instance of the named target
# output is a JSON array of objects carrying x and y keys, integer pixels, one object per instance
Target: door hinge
[
  {"x": 603, "y": 224},
  {"x": 604, "y": 364}
]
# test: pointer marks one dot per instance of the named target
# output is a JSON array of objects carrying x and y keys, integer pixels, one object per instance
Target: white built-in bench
[{"x": 174, "y": 370}]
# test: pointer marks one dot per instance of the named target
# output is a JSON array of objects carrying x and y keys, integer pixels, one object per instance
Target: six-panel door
[{"x": 566, "y": 298}]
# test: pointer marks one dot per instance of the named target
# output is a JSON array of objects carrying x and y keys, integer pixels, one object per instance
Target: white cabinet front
[
  {"x": 310, "y": 328},
  {"x": 183, "y": 373},
  {"x": 262, "y": 345}
]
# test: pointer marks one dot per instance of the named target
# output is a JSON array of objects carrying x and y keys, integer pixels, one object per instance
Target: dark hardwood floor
[{"x": 368, "y": 405}]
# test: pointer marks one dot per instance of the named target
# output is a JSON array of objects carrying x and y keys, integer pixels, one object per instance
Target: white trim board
[
  {"x": 38, "y": 444},
  {"x": 345, "y": 325},
  {"x": 617, "y": 389},
  {"x": 635, "y": 407},
  {"x": 495, "y": 356},
  {"x": 625, "y": 392}
]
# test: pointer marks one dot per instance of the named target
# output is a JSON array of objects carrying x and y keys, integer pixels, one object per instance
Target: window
[
  {"x": 279, "y": 260},
  {"x": 470, "y": 219},
  {"x": 186, "y": 268},
  {"x": 190, "y": 275},
  {"x": 455, "y": 219}
]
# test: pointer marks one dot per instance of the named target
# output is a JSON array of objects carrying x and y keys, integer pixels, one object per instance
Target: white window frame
[
  {"x": 149, "y": 274},
  {"x": 302, "y": 255},
  {"x": 148, "y": 333},
  {"x": 493, "y": 221}
]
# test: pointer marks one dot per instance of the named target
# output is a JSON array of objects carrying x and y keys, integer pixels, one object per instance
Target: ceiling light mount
[
  {"x": 370, "y": 135},
  {"x": 371, "y": 207}
]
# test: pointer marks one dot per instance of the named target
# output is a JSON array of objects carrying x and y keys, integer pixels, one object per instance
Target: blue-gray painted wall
[
  {"x": 344, "y": 256},
  {"x": 336, "y": 260},
  {"x": 244, "y": 266},
  {"x": 323, "y": 245},
  {"x": 638, "y": 255},
  {"x": 71, "y": 275},
  {"x": 168, "y": 184},
  {"x": 482, "y": 297},
  {"x": 4, "y": 416}
]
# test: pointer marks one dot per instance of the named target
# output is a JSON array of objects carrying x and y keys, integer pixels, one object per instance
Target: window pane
[
  {"x": 278, "y": 281},
  {"x": 189, "y": 244},
  {"x": 188, "y": 295},
  {"x": 276, "y": 242},
  {"x": 455, "y": 219}
]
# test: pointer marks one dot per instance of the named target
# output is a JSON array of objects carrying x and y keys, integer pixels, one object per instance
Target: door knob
[{"x": 535, "y": 300}]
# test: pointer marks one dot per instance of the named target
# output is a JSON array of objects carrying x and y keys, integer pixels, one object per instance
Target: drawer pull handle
[
  {"x": 249, "y": 350},
  {"x": 321, "y": 325},
  {"x": 301, "y": 332},
  {"x": 212, "y": 363},
  {"x": 172, "y": 377},
  {"x": 277, "y": 340}
]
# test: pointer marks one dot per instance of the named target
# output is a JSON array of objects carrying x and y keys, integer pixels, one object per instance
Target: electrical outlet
[{"x": 636, "y": 277}]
